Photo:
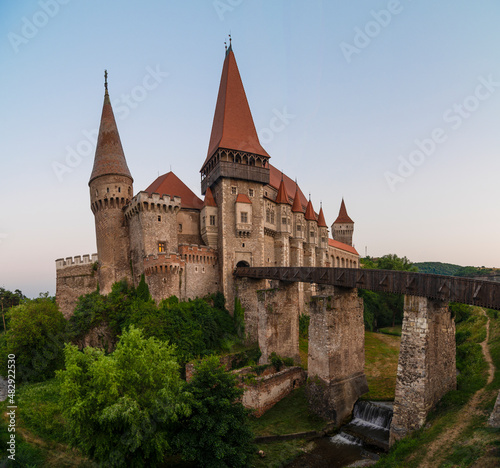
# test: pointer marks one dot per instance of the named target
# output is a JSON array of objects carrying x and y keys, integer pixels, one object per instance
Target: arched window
[{"x": 242, "y": 264}]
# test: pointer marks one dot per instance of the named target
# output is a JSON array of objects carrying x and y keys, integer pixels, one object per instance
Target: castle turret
[
  {"x": 311, "y": 236},
  {"x": 322, "y": 249},
  {"x": 298, "y": 231},
  {"x": 209, "y": 223},
  {"x": 110, "y": 191},
  {"x": 343, "y": 226},
  {"x": 283, "y": 227}
]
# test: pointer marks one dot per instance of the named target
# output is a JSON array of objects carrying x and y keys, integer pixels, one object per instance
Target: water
[{"x": 369, "y": 427}]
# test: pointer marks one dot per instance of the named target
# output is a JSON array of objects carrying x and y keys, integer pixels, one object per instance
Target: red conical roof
[
  {"x": 233, "y": 126},
  {"x": 297, "y": 205},
  {"x": 310, "y": 216},
  {"x": 282, "y": 196},
  {"x": 321, "y": 219},
  {"x": 209, "y": 198},
  {"x": 170, "y": 184},
  {"x": 343, "y": 217},
  {"x": 109, "y": 156}
]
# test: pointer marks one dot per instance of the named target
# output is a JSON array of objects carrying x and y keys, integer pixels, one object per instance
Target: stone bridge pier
[
  {"x": 336, "y": 353},
  {"x": 271, "y": 316},
  {"x": 427, "y": 363}
]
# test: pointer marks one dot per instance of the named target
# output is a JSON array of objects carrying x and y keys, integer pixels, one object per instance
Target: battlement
[
  {"x": 163, "y": 263},
  {"x": 77, "y": 260},
  {"x": 143, "y": 201},
  {"x": 192, "y": 253}
]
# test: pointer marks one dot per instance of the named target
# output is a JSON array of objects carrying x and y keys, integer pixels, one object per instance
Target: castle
[{"x": 251, "y": 215}]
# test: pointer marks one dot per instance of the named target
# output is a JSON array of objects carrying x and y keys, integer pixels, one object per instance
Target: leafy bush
[
  {"x": 216, "y": 435},
  {"x": 304, "y": 325},
  {"x": 36, "y": 336},
  {"x": 120, "y": 408}
]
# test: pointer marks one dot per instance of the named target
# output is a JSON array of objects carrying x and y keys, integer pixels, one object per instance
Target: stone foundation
[
  {"x": 427, "y": 363},
  {"x": 278, "y": 321},
  {"x": 336, "y": 353}
]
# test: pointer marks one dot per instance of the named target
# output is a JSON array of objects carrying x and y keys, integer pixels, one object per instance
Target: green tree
[
  {"x": 216, "y": 435},
  {"x": 36, "y": 336},
  {"x": 384, "y": 309},
  {"x": 9, "y": 299},
  {"x": 121, "y": 407}
]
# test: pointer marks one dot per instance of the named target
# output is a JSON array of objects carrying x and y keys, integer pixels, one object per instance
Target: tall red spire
[
  {"x": 321, "y": 219},
  {"x": 282, "y": 196},
  {"x": 233, "y": 126},
  {"x": 297, "y": 206},
  {"x": 310, "y": 215},
  {"x": 343, "y": 217},
  {"x": 109, "y": 156}
]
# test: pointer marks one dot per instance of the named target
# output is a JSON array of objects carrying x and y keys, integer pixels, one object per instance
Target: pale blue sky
[{"x": 362, "y": 85}]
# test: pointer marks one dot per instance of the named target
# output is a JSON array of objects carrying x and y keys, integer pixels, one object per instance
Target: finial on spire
[
  {"x": 229, "y": 38},
  {"x": 225, "y": 46},
  {"x": 309, "y": 196},
  {"x": 106, "y": 80}
]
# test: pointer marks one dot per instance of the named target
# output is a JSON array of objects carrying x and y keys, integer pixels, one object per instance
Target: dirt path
[{"x": 438, "y": 448}]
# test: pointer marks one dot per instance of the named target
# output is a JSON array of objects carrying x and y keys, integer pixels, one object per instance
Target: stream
[{"x": 357, "y": 443}]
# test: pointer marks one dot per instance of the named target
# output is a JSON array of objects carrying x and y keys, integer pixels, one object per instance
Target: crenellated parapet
[
  {"x": 144, "y": 202},
  {"x": 77, "y": 260},
  {"x": 163, "y": 263},
  {"x": 201, "y": 254}
]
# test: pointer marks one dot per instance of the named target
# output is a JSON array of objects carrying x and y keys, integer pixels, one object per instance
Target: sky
[{"x": 392, "y": 104}]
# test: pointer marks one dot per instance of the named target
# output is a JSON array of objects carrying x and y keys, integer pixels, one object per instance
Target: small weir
[{"x": 357, "y": 442}]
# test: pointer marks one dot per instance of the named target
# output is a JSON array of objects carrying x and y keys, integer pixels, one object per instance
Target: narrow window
[
  {"x": 159, "y": 218},
  {"x": 119, "y": 189},
  {"x": 244, "y": 217},
  {"x": 180, "y": 227},
  {"x": 250, "y": 192},
  {"x": 233, "y": 190},
  {"x": 283, "y": 220},
  {"x": 107, "y": 189},
  {"x": 161, "y": 247},
  {"x": 212, "y": 220}
]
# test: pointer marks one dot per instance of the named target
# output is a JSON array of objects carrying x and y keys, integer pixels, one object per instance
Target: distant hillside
[{"x": 438, "y": 268}]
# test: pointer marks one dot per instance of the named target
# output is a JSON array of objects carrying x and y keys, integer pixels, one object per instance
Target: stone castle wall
[{"x": 74, "y": 277}]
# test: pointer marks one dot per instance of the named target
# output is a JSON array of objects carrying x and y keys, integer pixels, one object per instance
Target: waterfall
[{"x": 374, "y": 414}]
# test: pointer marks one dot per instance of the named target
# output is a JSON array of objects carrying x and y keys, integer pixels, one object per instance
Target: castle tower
[
  {"x": 322, "y": 249},
  {"x": 283, "y": 227},
  {"x": 343, "y": 226},
  {"x": 236, "y": 169},
  {"x": 110, "y": 190},
  {"x": 298, "y": 231},
  {"x": 311, "y": 236},
  {"x": 209, "y": 229}
]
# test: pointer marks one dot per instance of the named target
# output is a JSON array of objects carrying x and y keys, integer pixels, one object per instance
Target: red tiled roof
[
  {"x": 242, "y": 198},
  {"x": 321, "y": 218},
  {"x": 209, "y": 198},
  {"x": 282, "y": 196},
  {"x": 109, "y": 155},
  {"x": 233, "y": 126},
  {"x": 343, "y": 217},
  {"x": 290, "y": 185},
  {"x": 310, "y": 214},
  {"x": 170, "y": 184},
  {"x": 342, "y": 246}
]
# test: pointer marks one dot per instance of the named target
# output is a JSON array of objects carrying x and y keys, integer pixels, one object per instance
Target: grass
[
  {"x": 396, "y": 331},
  {"x": 381, "y": 364},
  {"x": 288, "y": 416},
  {"x": 303, "y": 351}
]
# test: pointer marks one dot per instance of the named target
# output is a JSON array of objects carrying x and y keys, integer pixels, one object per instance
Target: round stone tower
[{"x": 110, "y": 191}]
